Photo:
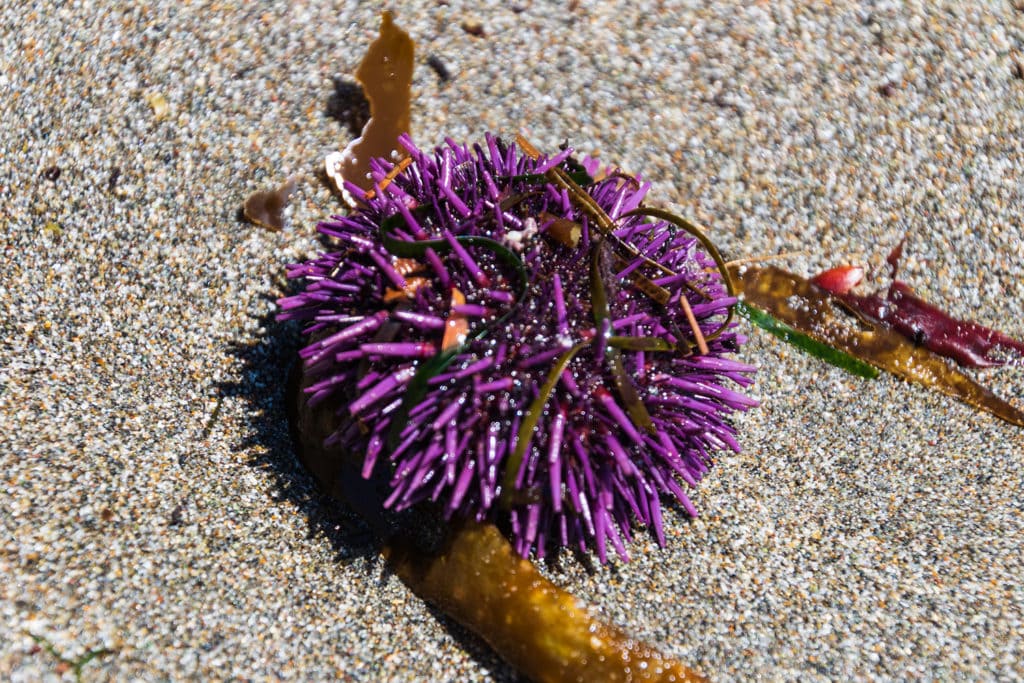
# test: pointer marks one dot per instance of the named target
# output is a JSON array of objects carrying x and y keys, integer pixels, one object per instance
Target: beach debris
[
  {"x": 115, "y": 175},
  {"x": 808, "y": 308},
  {"x": 386, "y": 77},
  {"x": 266, "y": 207},
  {"x": 435, "y": 63},
  {"x": 473, "y": 26},
  {"x": 53, "y": 230},
  {"x": 968, "y": 343},
  {"x": 159, "y": 104}
]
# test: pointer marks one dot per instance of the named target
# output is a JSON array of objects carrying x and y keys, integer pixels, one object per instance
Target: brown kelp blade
[
  {"x": 544, "y": 631},
  {"x": 478, "y": 579},
  {"x": 266, "y": 207},
  {"x": 807, "y": 308},
  {"x": 386, "y": 76}
]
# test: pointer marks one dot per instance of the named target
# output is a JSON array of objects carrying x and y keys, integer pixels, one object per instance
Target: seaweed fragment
[
  {"x": 806, "y": 307},
  {"x": 542, "y": 630},
  {"x": 805, "y": 342},
  {"x": 967, "y": 342},
  {"x": 266, "y": 208},
  {"x": 386, "y": 76}
]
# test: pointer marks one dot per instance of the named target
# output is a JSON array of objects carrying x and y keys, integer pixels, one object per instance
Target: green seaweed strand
[
  {"x": 709, "y": 246},
  {"x": 599, "y": 303},
  {"x": 641, "y": 343},
  {"x": 532, "y": 417},
  {"x": 827, "y": 353}
]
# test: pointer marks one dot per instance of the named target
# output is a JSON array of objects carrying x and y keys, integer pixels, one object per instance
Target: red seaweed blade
[{"x": 965, "y": 341}]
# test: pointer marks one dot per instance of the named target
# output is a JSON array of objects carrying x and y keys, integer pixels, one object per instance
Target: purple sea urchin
[{"x": 520, "y": 342}]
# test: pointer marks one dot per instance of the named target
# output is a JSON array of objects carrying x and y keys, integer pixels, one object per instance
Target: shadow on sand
[{"x": 264, "y": 380}]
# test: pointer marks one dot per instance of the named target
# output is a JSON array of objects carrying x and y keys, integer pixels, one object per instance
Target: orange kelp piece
[
  {"x": 266, "y": 207},
  {"x": 386, "y": 76},
  {"x": 457, "y": 326}
]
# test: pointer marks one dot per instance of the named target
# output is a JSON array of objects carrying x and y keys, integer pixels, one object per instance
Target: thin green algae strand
[
  {"x": 602, "y": 320},
  {"x": 806, "y": 343},
  {"x": 805, "y": 307},
  {"x": 529, "y": 423},
  {"x": 709, "y": 246}
]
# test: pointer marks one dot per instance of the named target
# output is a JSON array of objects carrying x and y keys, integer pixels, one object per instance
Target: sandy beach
[{"x": 155, "y": 524}]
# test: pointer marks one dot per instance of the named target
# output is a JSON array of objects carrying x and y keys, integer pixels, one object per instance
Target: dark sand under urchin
[{"x": 151, "y": 505}]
